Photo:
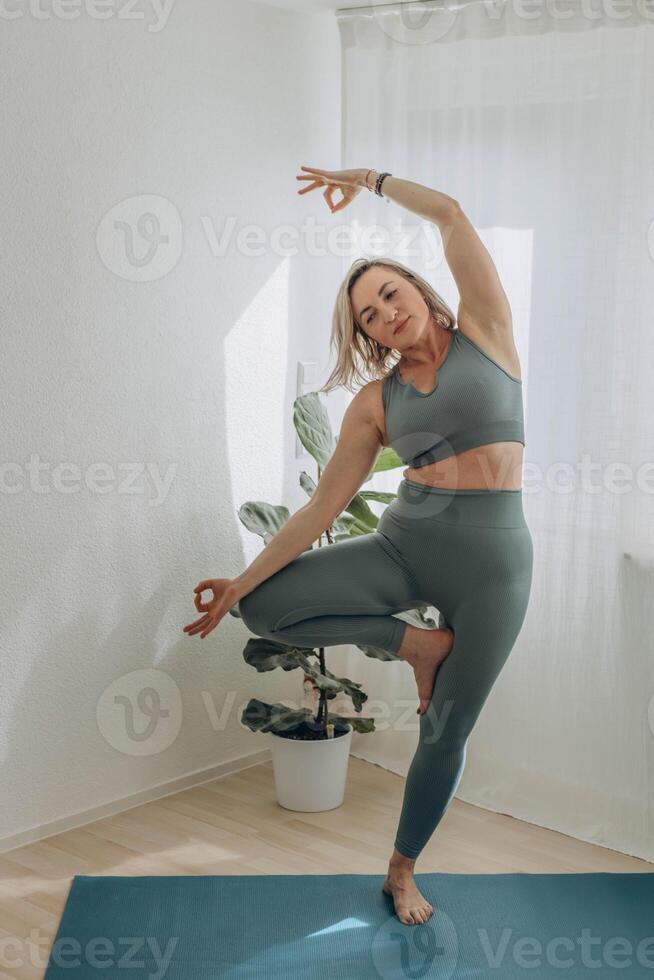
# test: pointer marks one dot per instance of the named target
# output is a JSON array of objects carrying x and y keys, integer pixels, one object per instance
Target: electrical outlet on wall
[{"x": 307, "y": 380}]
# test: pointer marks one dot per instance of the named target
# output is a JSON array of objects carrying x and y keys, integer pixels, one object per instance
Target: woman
[{"x": 455, "y": 537}]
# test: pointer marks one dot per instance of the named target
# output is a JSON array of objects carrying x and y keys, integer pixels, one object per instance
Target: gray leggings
[{"x": 468, "y": 553}]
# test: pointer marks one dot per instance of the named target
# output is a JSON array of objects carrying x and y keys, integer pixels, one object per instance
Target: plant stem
[{"x": 323, "y": 694}]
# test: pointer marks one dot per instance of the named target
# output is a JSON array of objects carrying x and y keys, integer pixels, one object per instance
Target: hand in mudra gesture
[
  {"x": 348, "y": 182},
  {"x": 225, "y": 595}
]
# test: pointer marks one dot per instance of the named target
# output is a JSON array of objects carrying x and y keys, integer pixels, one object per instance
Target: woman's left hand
[
  {"x": 224, "y": 594},
  {"x": 348, "y": 182}
]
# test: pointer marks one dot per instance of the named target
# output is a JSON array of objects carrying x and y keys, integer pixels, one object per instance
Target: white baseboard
[{"x": 44, "y": 830}]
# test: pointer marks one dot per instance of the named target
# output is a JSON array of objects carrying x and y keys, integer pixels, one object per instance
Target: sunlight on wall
[{"x": 257, "y": 415}]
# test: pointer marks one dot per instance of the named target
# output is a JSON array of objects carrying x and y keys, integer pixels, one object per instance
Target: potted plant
[{"x": 310, "y": 749}]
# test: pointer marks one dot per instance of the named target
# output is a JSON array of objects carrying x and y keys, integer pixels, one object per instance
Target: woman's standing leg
[
  {"x": 472, "y": 556},
  {"x": 485, "y": 626}
]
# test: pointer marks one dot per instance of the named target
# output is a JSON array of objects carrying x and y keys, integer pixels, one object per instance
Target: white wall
[{"x": 182, "y": 361}]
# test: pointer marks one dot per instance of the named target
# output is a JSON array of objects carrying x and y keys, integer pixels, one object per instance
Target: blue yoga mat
[{"x": 321, "y": 927}]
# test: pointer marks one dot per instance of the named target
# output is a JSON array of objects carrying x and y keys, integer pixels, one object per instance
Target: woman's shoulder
[{"x": 372, "y": 392}]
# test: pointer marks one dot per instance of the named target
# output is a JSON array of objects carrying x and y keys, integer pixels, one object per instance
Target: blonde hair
[{"x": 356, "y": 352}]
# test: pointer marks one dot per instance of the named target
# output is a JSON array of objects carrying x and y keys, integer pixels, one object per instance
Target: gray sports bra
[{"x": 474, "y": 402}]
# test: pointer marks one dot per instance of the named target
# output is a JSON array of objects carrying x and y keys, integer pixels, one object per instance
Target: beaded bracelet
[{"x": 380, "y": 181}]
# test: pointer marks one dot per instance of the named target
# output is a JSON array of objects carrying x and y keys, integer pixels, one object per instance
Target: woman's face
[{"x": 382, "y": 299}]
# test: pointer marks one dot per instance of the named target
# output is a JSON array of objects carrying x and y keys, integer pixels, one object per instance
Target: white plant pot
[{"x": 310, "y": 775}]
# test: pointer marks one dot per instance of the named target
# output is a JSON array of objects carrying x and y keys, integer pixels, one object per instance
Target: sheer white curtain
[{"x": 542, "y": 127}]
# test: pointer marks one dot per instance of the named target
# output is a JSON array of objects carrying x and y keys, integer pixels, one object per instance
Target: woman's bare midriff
[{"x": 496, "y": 466}]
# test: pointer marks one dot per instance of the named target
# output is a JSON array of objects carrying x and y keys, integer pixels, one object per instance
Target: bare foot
[
  {"x": 411, "y": 907},
  {"x": 425, "y": 650}
]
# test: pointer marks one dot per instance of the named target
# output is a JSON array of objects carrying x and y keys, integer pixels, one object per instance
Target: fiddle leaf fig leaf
[
  {"x": 266, "y": 655},
  {"x": 342, "y": 525},
  {"x": 313, "y": 427},
  {"x": 376, "y": 653},
  {"x": 382, "y": 496},
  {"x": 387, "y": 460},
  {"x": 265, "y": 519},
  {"x": 262, "y": 518},
  {"x": 362, "y": 512},
  {"x": 278, "y": 718},
  {"x": 307, "y": 484},
  {"x": 333, "y": 685}
]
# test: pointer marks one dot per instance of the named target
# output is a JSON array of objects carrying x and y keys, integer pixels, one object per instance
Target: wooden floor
[{"x": 234, "y": 825}]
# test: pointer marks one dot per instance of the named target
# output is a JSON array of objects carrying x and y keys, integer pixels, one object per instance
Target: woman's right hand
[
  {"x": 348, "y": 182},
  {"x": 225, "y": 594}
]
